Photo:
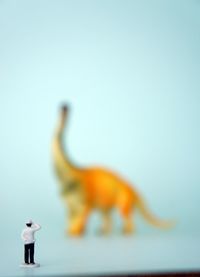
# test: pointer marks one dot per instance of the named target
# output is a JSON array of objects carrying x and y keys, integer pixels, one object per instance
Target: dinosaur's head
[{"x": 64, "y": 112}]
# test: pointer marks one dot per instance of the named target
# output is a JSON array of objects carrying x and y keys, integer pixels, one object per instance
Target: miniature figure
[
  {"x": 29, "y": 244},
  {"x": 85, "y": 189}
]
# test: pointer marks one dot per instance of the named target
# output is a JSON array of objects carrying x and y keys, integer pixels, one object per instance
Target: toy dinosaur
[{"x": 85, "y": 189}]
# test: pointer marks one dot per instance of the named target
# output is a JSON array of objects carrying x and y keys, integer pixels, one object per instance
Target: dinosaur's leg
[
  {"x": 126, "y": 210},
  {"x": 128, "y": 226},
  {"x": 107, "y": 222},
  {"x": 77, "y": 220}
]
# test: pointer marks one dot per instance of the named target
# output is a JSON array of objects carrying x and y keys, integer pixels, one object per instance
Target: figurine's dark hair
[{"x": 28, "y": 224}]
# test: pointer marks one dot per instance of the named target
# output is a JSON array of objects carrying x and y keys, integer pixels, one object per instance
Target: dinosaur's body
[{"x": 85, "y": 189}]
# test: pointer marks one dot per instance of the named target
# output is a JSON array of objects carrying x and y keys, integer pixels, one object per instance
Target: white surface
[
  {"x": 23, "y": 265},
  {"x": 105, "y": 255}
]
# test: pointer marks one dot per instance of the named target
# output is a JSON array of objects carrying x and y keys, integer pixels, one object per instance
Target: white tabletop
[{"x": 97, "y": 255}]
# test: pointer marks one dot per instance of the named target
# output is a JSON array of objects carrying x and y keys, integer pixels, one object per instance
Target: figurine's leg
[
  {"x": 26, "y": 253},
  {"x": 107, "y": 222},
  {"x": 32, "y": 253}
]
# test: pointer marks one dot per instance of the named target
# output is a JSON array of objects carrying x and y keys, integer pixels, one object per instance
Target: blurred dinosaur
[{"x": 85, "y": 189}]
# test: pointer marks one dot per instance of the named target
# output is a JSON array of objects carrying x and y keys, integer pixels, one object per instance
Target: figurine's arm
[{"x": 36, "y": 227}]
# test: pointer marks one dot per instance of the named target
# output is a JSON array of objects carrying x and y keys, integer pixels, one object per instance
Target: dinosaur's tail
[{"x": 153, "y": 220}]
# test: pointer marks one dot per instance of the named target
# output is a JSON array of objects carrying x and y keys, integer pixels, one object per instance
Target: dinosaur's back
[{"x": 105, "y": 189}]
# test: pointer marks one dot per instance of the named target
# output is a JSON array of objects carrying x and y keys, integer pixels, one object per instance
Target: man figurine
[{"x": 29, "y": 243}]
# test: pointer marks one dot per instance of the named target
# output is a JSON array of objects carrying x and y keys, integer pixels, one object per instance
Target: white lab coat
[{"x": 28, "y": 233}]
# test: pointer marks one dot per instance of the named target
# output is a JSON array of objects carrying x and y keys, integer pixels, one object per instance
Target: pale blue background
[{"x": 130, "y": 70}]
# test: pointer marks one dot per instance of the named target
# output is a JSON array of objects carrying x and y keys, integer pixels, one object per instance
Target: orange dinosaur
[{"x": 85, "y": 189}]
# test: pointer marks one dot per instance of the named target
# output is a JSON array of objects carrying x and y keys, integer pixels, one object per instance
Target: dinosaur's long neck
[{"x": 62, "y": 163}]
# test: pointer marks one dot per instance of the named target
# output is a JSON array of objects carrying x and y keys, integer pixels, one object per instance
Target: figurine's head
[{"x": 29, "y": 223}]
